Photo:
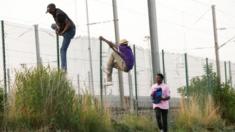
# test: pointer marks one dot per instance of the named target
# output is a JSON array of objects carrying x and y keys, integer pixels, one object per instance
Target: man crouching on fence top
[
  {"x": 65, "y": 27},
  {"x": 160, "y": 97},
  {"x": 122, "y": 58}
]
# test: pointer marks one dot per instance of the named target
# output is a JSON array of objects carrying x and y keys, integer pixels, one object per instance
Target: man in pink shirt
[{"x": 161, "y": 96}]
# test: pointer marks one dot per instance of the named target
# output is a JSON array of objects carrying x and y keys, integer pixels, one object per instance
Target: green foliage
[
  {"x": 225, "y": 98},
  {"x": 42, "y": 97},
  {"x": 203, "y": 85},
  {"x": 223, "y": 95},
  {"x": 1, "y": 99},
  {"x": 93, "y": 118},
  {"x": 1, "y": 105},
  {"x": 44, "y": 100},
  {"x": 133, "y": 123}
]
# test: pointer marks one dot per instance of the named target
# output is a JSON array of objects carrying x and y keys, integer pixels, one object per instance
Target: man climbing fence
[{"x": 122, "y": 58}]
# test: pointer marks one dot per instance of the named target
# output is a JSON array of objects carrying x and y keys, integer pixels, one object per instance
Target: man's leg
[
  {"x": 159, "y": 118},
  {"x": 164, "y": 118},
  {"x": 119, "y": 63},
  {"x": 68, "y": 35},
  {"x": 63, "y": 52},
  {"x": 110, "y": 66},
  {"x": 115, "y": 61}
]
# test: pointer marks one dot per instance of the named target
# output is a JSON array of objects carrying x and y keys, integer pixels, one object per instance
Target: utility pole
[
  {"x": 216, "y": 44},
  {"x": 154, "y": 37},
  {"x": 150, "y": 62},
  {"x": 4, "y": 63},
  {"x": 163, "y": 66},
  {"x": 38, "y": 57},
  {"x": 89, "y": 49},
  {"x": 117, "y": 38}
]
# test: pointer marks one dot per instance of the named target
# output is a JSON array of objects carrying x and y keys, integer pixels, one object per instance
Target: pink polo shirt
[{"x": 165, "y": 93}]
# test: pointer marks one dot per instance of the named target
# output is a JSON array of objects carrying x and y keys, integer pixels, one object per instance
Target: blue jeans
[{"x": 68, "y": 35}]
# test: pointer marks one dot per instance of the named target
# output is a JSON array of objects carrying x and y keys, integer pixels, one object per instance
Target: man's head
[
  {"x": 51, "y": 8},
  {"x": 123, "y": 42},
  {"x": 159, "y": 78}
]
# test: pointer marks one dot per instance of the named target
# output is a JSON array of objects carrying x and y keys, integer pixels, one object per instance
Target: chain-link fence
[{"x": 20, "y": 41}]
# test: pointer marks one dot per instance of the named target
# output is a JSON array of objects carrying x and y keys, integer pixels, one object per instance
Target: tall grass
[
  {"x": 194, "y": 114},
  {"x": 93, "y": 117},
  {"x": 134, "y": 123},
  {"x": 43, "y": 99}
]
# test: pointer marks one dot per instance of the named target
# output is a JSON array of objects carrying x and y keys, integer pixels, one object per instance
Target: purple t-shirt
[{"x": 127, "y": 56}]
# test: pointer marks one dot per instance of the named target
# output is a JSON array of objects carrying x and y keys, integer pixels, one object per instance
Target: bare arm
[
  {"x": 111, "y": 44},
  {"x": 166, "y": 98},
  {"x": 67, "y": 25}
]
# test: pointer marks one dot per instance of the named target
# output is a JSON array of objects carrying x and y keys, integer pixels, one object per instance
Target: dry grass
[{"x": 194, "y": 113}]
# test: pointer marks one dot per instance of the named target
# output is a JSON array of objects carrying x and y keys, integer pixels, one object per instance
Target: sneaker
[{"x": 108, "y": 84}]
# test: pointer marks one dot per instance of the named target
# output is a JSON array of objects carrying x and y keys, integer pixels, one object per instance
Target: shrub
[
  {"x": 42, "y": 97},
  {"x": 191, "y": 115},
  {"x": 223, "y": 95},
  {"x": 44, "y": 100},
  {"x": 133, "y": 123},
  {"x": 93, "y": 118},
  {"x": 225, "y": 98}
]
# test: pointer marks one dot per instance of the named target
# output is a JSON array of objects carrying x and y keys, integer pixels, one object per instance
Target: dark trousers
[{"x": 161, "y": 116}]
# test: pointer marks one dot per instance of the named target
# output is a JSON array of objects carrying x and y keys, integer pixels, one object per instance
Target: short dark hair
[
  {"x": 160, "y": 75},
  {"x": 51, "y": 5}
]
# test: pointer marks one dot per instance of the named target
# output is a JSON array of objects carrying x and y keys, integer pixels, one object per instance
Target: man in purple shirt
[{"x": 122, "y": 58}]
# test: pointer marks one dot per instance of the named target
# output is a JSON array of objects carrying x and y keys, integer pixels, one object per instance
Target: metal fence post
[
  {"x": 8, "y": 80},
  {"x": 78, "y": 82},
  {"x": 101, "y": 75},
  {"x": 230, "y": 74},
  {"x": 225, "y": 72},
  {"x": 208, "y": 76},
  {"x": 136, "y": 85},
  {"x": 131, "y": 92},
  {"x": 186, "y": 74},
  {"x": 58, "y": 51}
]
